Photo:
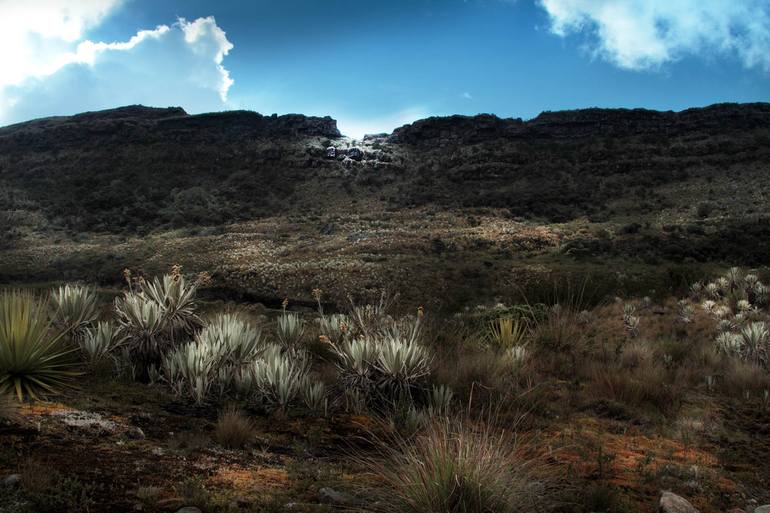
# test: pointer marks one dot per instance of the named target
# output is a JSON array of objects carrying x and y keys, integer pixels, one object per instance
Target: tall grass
[{"x": 456, "y": 467}]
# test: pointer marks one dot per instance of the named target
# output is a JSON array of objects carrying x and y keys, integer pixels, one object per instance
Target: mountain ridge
[{"x": 270, "y": 203}]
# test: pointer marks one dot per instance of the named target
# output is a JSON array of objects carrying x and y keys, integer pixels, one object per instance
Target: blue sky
[{"x": 375, "y": 65}]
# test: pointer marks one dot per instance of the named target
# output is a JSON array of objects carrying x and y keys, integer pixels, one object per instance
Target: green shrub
[
  {"x": 99, "y": 342},
  {"x": 34, "y": 360},
  {"x": 75, "y": 306}
]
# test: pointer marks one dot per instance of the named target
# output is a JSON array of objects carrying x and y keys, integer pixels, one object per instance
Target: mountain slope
[{"x": 260, "y": 201}]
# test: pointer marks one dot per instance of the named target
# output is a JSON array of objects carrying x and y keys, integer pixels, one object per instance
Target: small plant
[
  {"x": 507, "y": 332},
  {"x": 755, "y": 338},
  {"x": 99, "y": 342},
  {"x": 33, "y": 358},
  {"x": 289, "y": 330},
  {"x": 334, "y": 327},
  {"x": 401, "y": 365},
  {"x": 314, "y": 397},
  {"x": 279, "y": 377},
  {"x": 234, "y": 430},
  {"x": 156, "y": 317},
  {"x": 176, "y": 296},
  {"x": 631, "y": 320},
  {"x": 216, "y": 359},
  {"x": 440, "y": 400},
  {"x": 143, "y": 323},
  {"x": 75, "y": 307},
  {"x": 685, "y": 312}
]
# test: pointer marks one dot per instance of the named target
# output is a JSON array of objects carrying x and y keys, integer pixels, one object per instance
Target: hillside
[{"x": 476, "y": 206}]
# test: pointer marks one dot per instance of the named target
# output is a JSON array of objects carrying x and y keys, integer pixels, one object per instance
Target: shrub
[
  {"x": 383, "y": 367},
  {"x": 216, "y": 356},
  {"x": 75, "y": 307},
  {"x": 156, "y": 318},
  {"x": 455, "y": 467},
  {"x": 401, "y": 365},
  {"x": 99, "y": 342},
  {"x": 143, "y": 323},
  {"x": 177, "y": 298},
  {"x": 506, "y": 332},
  {"x": 279, "y": 377},
  {"x": 234, "y": 430},
  {"x": 33, "y": 358},
  {"x": 289, "y": 330}
]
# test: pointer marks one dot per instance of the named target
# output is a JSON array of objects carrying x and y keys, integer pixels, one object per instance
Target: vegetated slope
[{"x": 456, "y": 199}]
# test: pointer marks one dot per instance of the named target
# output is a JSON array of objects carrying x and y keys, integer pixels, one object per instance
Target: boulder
[
  {"x": 135, "y": 433},
  {"x": 762, "y": 509},
  {"x": 332, "y": 496},
  {"x": 355, "y": 154},
  {"x": 189, "y": 509},
  {"x": 672, "y": 503},
  {"x": 331, "y": 152},
  {"x": 12, "y": 481}
]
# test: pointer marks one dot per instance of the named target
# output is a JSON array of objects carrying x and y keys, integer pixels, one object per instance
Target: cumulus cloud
[
  {"x": 36, "y": 35},
  {"x": 645, "y": 34},
  {"x": 55, "y": 70}
]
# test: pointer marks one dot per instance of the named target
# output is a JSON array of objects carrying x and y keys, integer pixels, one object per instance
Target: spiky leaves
[
  {"x": 33, "y": 359},
  {"x": 143, "y": 322},
  {"x": 506, "y": 332},
  {"x": 289, "y": 331},
  {"x": 384, "y": 367},
  {"x": 156, "y": 319},
  {"x": 216, "y": 357},
  {"x": 177, "y": 298},
  {"x": 75, "y": 306},
  {"x": 99, "y": 342}
]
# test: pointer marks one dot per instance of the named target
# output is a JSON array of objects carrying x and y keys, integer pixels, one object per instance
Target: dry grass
[
  {"x": 234, "y": 430},
  {"x": 647, "y": 385},
  {"x": 746, "y": 380},
  {"x": 458, "y": 467},
  {"x": 9, "y": 408}
]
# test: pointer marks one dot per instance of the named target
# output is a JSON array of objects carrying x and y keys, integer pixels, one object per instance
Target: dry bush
[
  {"x": 647, "y": 385},
  {"x": 454, "y": 466},
  {"x": 469, "y": 370},
  {"x": 234, "y": 430},
  {"x": 745, "y": 379},
  {"x": 560, "y": 342}
]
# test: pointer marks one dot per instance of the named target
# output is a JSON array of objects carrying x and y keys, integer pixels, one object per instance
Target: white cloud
[
  {"x": 52, "y": 69},
  {"x": 357, "y": 127},
  {"x": 645, "y": 34},
  {"x": 35, "y": 33},
  {"x": 466, "y": 95}
]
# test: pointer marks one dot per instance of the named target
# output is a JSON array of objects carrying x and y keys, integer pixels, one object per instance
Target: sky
[{"x": 375, "y": 65}]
